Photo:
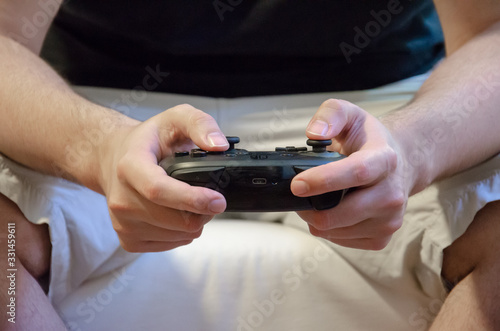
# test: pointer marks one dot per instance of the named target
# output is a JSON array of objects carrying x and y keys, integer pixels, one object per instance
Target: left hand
[{"x": 367, "y": 217}]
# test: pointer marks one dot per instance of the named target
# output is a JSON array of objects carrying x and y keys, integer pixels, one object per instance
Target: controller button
[
  {"x": 301, "y": 149},
  {"x": 280, "y": 149},
  {"x": 198, "y": 153},
  {"x": 178, "y": 154},
  {"x": 215, "y": 153},
  {"x": 258, "y": 156},
  {"x": 199, "y": 175},
  {"x": 299, "y": 169},
  {"x": 291, "y": 149}
]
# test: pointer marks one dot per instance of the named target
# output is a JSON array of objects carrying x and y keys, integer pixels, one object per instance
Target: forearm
[
  {"x": 45, "y": 125},
  {"x": 452, "y": 123}
]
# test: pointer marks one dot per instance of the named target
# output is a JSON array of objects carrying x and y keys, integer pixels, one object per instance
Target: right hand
[{"x": 151, "y": 211}]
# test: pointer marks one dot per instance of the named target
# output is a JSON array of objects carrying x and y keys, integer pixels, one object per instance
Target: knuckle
[
  {"x": 192, "y": 202},
  {"x": 336, "y": 104},
  {"x": 198, "y": 117},
  {"x": 131, "y": 246},
  {"x": 315, "y": 231},
  {"x": 392, "y": 159},
  {"x": 361, "y": 172},
  {"x": 192, "y": 223},
  {"x": 378, "y": 243},
  {"x": 152, "y": 191},
  {"x": 397, "y": 200},
  {"x": 195, "y": 234},
  {"x": 122, "y": 231},
  {"x": 182, "y": 108},
  {"x": 390, "y": 227},
  {"x": 117, "y": 206},
  {"x": 327, "y": 181},
  {"x": 332, "y": 104},
  {"x": 194, "y": 226},
  {"x": 179, "y": 244},
  {"x": 121, "y": 167},
  {"x": 339, "y": 107},
  {"x": 321, "y": 222}
]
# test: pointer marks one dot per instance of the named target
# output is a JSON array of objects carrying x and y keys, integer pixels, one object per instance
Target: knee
[
  {"x": 477, "y": 247},
  {"x": 32, "y": 242}
]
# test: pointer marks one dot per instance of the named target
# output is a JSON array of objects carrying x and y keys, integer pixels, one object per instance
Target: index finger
[
  {"x": 361, "y": 168},
  {"x": 151, "y": 182}
]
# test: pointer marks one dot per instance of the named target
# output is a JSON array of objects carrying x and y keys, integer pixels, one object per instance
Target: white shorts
[{"x": 249, "y": 271}]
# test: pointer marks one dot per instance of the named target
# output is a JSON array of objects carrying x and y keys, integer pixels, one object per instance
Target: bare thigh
[
  {"x": 32, "y": 242},
  {"x": 479, "y": 245}
]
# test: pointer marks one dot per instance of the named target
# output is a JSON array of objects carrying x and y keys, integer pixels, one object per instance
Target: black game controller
[{"x": 255, "y": 181}]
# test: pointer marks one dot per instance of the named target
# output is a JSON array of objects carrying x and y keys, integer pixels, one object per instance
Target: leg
[
  {"x": 33, "y": 310},
  {"x": 471, "y": 266}
]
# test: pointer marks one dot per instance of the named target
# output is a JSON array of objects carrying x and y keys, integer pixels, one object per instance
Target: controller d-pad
[{"x": 199, "y": 175}]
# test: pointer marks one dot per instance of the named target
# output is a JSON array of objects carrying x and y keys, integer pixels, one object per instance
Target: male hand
[
  {"x": 368, "y": 216},
  {"x": 149, "y": 210}
]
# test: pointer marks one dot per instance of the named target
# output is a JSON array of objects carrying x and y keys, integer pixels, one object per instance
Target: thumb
[
  {"x": 330, "y": 119},
  {"x": 184, "y": 122}
]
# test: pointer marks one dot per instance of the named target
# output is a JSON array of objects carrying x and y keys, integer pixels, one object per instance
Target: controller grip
[{"x": 326, "y": 200}]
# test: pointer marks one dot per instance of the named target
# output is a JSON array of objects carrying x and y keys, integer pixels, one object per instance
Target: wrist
[
  {"x": 415, "y": 161},
  {"x": 89, "y": 156}
]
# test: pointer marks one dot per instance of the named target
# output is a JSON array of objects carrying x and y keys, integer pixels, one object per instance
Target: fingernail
[
  {"x": 217, "y": 206},
  {"x": 318, "y": 127},
  {"x": 299, "y": 187},
  {"x": 217, "y": 139}
]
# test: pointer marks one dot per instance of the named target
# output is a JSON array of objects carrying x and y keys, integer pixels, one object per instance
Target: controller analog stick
[
  {"x": 319, "y": 146},
  {"x": 232, "y": 141}
]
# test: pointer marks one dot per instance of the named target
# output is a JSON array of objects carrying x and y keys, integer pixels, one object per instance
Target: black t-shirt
[{"x": 230, "y": 48}]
